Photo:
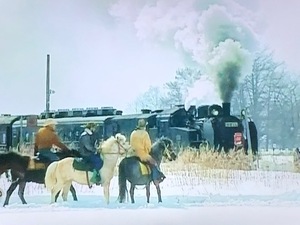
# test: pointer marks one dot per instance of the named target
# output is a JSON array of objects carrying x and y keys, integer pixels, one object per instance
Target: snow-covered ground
[{"x": 189, "y": 197}]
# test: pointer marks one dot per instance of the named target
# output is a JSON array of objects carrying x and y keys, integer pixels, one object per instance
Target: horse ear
[{"x": 120, "y": 137}]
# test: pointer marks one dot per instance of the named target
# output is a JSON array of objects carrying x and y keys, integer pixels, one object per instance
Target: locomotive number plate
[{"x": 231, "y": 124}]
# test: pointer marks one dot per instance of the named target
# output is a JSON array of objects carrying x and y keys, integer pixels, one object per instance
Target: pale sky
[{"x": 106, "y": 53}]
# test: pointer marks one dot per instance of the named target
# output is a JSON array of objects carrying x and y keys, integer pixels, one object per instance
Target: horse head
[
  {"x": 122, "y": 145},
  {"x": 114, "y": 145},
  {"x": 168, "y": 152},
  {"x": 163, "y": 147}
]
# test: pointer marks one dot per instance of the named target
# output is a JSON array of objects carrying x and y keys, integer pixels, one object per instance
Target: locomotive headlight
[{"x": 215, "y": 112}]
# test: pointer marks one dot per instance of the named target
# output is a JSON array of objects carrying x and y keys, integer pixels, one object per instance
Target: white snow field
[{"x": 190, "y": 196}]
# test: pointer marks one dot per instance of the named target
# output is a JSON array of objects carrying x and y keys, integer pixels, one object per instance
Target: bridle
[
  {"x": 167, "y": 152},
  {"x": 120, "y": 147}
]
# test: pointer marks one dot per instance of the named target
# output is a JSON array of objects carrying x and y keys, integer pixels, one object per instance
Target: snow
[{"x": 226, "y": 197}]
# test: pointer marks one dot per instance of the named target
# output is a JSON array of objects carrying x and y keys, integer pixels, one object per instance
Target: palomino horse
[
  {"x": 60, "y": 174},
  {"x": 138, "y": 173},
  {"x": 25, "y": 168}
]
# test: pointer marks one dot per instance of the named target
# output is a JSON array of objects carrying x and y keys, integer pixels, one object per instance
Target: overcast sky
[{"x": 107, "y": 52}]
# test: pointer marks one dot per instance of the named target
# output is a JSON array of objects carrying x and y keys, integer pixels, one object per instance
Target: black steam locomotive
[{"x": 211, "y": 125}]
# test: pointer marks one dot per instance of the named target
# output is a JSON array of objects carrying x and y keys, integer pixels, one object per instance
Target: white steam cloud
[
  {"x": 208, "y": 95},
  {"x": 216, "y": 34}
]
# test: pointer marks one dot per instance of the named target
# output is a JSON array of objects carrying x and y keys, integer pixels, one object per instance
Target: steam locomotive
[{"x": 211, "y": 125}]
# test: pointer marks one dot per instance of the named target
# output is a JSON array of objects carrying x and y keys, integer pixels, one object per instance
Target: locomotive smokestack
[{"x": 226, "y": 108}]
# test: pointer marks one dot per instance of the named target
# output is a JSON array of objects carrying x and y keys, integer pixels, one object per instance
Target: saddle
[
  {"x": 144, "y": 167},
  {"x": 35, "y": 163},
  {"x": 80, "y": 164}
]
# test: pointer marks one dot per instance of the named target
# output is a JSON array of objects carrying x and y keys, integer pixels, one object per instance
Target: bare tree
[
  {"x": 151, "y": 99},
  {"x": 269, "y": 95},
  {"x": 177, "y": 90},
  {"x": 173, "y": 93}
]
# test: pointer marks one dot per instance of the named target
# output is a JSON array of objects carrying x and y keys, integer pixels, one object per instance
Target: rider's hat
[
  {"x": 50, "y": 122},
  {"x": 141, "y": 123},
  {"x": 90, "y": 125}
]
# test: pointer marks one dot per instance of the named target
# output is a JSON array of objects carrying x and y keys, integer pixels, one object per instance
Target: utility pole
[{"x": 48, "y": 87}]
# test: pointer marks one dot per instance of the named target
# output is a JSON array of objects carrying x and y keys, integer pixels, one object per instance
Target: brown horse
[{"x": 25, "y": 168}]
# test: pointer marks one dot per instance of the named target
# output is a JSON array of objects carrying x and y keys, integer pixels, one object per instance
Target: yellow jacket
[{"x": 141, "y": 144}]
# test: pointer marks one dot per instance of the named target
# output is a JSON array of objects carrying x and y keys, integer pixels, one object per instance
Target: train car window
[
  {"x": 77, "y": 134},
  {"x": 27, "y": 138},
  {"x": 3, "y": 139},
  {"x": 33, "y": 136}
]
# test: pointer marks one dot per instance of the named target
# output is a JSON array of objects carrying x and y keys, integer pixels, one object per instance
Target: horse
[
  {"x": 60, "y": 174},
  {"x": 137, "y": 173},
  {"x": 24, "y": 168}
]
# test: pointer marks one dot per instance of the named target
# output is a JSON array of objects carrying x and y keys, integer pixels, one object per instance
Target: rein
[
  {"x": 120, "y": 147},
  {"x": 167, "y": 152}
]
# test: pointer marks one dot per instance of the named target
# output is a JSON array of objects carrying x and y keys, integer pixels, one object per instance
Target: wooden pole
[{"x": 48, "y": 87}]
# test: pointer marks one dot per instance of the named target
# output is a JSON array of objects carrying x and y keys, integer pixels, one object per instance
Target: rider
[
  {"x": 45, "y": 138},
  {"x": 88, "y": 151},
  {"x": 141, "y": 143}
]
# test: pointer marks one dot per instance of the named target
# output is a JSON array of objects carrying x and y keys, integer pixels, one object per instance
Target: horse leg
[
  {"x": 65, "y": 191},
  {"x": 6, "y": 175},
  {"x": 72, "y": 189},
  {"x": 148, "y": 192},
  {"x": 131, "y": 191},
  {"x": 55, "y": 191},
  {"x": 56, "y": 196},
  {"x": 158, "y": 192},
  {"x": 106, "y": 192},
  {"x": 22, "y": 185},
  {"x": 10, "y": 190}
]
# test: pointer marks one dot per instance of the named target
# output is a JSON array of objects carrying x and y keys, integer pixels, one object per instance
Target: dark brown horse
[
  {"x": 22, "y": 171},
  {"x": 131, "y": 169}
]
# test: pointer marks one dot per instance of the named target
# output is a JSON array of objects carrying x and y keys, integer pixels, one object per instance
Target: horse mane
[
  {"x": 160, "y": 141},
  {"x": 107, "y": 144}
]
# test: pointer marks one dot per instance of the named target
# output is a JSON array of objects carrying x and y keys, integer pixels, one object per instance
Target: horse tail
[
  {"x": 50, "y": 176},
  {"x": 122, "y": 181}
]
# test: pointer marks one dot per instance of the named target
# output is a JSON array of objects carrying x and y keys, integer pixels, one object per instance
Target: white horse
[{"x": 60, "y": 174}]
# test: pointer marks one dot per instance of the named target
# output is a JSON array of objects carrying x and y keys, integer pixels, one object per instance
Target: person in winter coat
[
  {"x": 45, "y": 138},
  {"x": 141, "y": 143},
  {"x": 89, "y": 152}
]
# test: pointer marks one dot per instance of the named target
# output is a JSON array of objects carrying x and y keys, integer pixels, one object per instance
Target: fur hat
[
  {"x": 50, "y": 122},
  {"x": 141, "y": 123},
  {"x": 90, "y": 125}
]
